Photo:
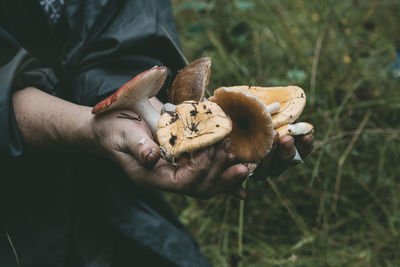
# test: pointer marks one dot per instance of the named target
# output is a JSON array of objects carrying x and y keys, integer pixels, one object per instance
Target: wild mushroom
[
  {"x": 135, "y": 94},
  {"x": 191, "y": 81},
  {"x": 190, "y": 124},
  {"x": 285, "y": 105},
  {"x": 299, "y": 128},
  {"x": 292, "y": 100},
  {"x": 295, "y": 129},
  {"x": 252, "y": 128}
]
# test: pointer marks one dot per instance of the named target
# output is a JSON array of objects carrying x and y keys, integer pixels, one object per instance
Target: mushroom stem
[
  {"x": 297, "y": 157},
  {"x": 296, "y": 129},
  {"x": 144, "y": 108},
  {"x": 274, "y": 108},
  {"x": 168, "y": 107}
]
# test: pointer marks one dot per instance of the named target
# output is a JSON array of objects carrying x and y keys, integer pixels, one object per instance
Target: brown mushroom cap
[
  {"x": 190, "y": 83},
  {"x": 193, "y": 126},
  {"x": 253, "y": 133},
  {"x": 291, "y": 98}
]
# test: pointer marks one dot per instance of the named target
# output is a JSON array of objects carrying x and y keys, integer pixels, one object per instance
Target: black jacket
[{"x": 68, "y": 209}]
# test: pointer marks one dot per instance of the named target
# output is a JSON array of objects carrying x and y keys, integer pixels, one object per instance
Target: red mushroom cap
[{"x": 144, "y": 85}]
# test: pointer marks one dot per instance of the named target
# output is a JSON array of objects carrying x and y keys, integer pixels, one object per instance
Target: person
[{"x": 77, "y": 190}]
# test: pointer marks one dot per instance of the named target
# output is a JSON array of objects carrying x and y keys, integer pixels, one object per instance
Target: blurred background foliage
[{"x": 342, "y": 207}]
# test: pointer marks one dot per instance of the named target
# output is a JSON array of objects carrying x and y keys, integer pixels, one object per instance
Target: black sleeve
[
  {"x": 88, "y": 55},
  {"x": 110, "y": 50},
  {"x": 17, "y": 70}
]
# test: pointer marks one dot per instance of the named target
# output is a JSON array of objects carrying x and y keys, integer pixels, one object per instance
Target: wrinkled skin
[
  {"x": 201, "y": 175},
  {"x": 282, "y": 153},
  {"x": 50, "y": 123}
]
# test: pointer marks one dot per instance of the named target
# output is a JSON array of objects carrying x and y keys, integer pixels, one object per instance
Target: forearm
[{"x": 50, "y": 123}]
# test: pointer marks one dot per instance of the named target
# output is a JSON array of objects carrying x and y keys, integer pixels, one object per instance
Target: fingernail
[
  {"x": 244, "y": 171},
  {"x": 152, "y": 156},
  {"x": 149, "y": 155},
  {"x": 231, "y": 157},
  {"x": 286, "y": 139},
  {"x": 211, "y": 152},
  {"x": 227, "y": 144},
  {"x": 309, "y": 138}
]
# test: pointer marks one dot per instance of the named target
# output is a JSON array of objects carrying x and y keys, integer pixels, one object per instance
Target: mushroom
[
  {"x": 299, "y": 128},
  {"x": 135, "y": 94},
  {"x": 191, "y": 123},
  {"x": 295, "y": 129},
  {"x": 192, "y": 126},
  {"x": 285, "y": 104},
  {"x": 292, "y": 100},
  {"x": 190, "y": 82},
  {"x": 252, "y": 133}
]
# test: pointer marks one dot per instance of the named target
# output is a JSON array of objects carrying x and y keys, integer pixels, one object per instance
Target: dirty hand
[
  {"x": 203, "y": 175},
  {"x": 282, "y": 153}
]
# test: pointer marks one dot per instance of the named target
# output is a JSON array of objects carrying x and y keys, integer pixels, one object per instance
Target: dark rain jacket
[{"x": 69, "y": 209}]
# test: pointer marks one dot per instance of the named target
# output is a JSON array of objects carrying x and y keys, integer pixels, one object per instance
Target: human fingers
[
  {"x": 189, "y": 171},
  {"x": 231, "y": 181},
  {"x": 215, "y": 181},
  {"x": 203, "y": 176},
  {"x": 265, "y": 166},
  {"x": 304, "y": 144},
  {"x": 122, "y": 131},
  {"x": 141, "y": 145},
  {"x": 284, "y": 154},
  {"x": 221, "y": 157},
  {"x": 193, "y": 169},
  {"x": 286, "y": 149}
]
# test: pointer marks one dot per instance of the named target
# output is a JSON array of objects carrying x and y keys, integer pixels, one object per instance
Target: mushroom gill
[{"x": 252, "y": 128}]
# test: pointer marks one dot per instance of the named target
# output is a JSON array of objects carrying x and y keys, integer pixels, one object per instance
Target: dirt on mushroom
[{"x": 191, "y": 127}]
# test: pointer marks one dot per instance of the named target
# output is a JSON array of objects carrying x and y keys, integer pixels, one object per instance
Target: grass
[{"x": 342, "y": 207}]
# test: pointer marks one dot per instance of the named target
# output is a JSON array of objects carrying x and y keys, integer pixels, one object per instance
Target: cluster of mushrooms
[{"x": 247, "y": 114}]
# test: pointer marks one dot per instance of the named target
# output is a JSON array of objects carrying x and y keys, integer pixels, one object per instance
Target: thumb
[{"x": 142, "y": 146}]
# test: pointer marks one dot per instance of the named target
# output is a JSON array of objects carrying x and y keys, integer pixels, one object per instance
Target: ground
[{"x": 342, "y": 207}]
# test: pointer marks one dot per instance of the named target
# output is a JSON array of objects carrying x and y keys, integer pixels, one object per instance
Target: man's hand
[
  {"x": 202, "y": 175},
  {"x": 282, "y": 153},
  {"x": 50, "y": 123}
]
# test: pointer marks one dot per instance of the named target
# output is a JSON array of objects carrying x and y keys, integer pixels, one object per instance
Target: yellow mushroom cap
[
  {"x": 292, "y": 100},
  {"x": 191, "y": 127},
  {"x": 253, "y": 133}
]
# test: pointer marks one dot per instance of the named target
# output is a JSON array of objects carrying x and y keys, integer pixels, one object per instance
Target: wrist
[
  {"x": 46, "y": 122},
  {"x": 83, "y": 136}
]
